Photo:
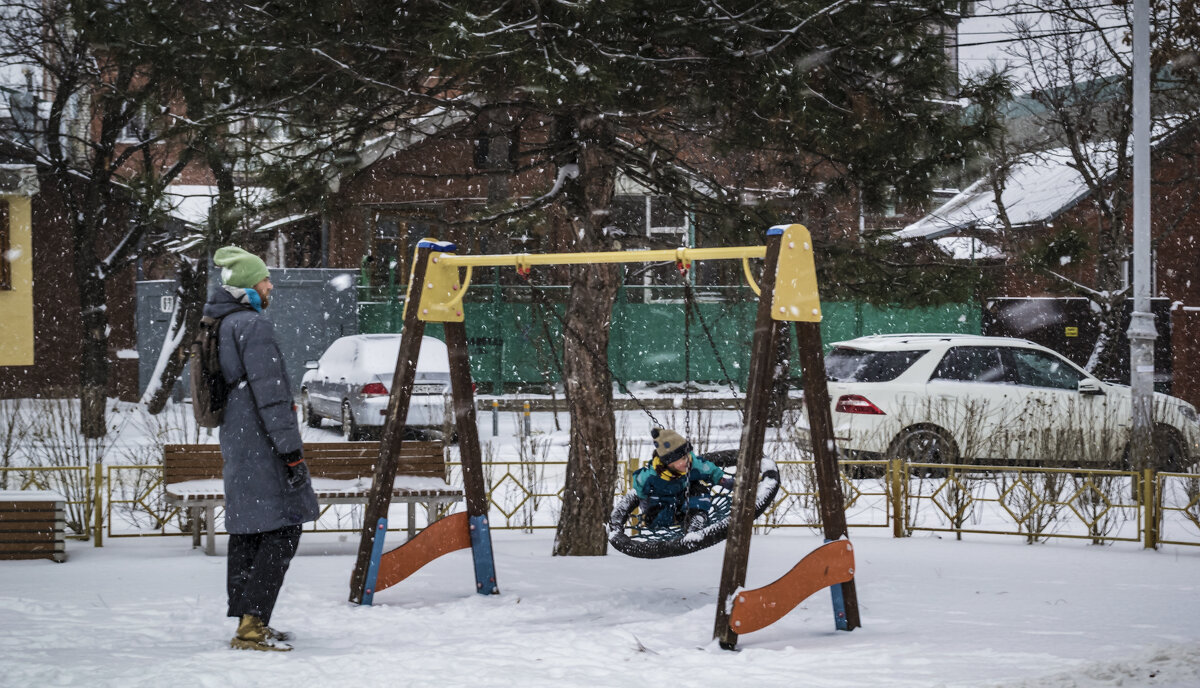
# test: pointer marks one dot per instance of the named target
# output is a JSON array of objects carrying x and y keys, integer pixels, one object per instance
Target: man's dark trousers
[{"x": 257, "y": 563}]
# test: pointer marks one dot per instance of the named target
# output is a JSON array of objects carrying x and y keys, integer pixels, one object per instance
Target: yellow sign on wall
[{"x": 16, "y": 304}]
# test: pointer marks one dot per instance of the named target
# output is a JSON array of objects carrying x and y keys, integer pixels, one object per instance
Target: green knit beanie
[{"x": 239, "y": 268}]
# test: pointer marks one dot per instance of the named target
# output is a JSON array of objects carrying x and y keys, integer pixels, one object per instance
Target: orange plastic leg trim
[
  {"x": 829, "y": 564},
  {"x": 441, "y": 537}
]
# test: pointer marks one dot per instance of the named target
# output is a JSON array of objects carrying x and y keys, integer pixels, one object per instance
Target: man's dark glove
[
  {"x": 297, "y": 475},
  {"x": 297, "y": 470}
]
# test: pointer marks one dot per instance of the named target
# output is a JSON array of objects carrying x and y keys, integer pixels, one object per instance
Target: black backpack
[{"x": 209, "y": 389}]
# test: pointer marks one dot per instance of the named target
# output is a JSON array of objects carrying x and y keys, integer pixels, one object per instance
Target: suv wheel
[
  {"x": 924, "y": 445},
  {"x": 1169, "y": 452}
]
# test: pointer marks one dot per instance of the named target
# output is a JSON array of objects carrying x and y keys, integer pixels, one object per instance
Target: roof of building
[
  {"x": 1039, "y": 187},
  {"x": 191, "y": 203}
]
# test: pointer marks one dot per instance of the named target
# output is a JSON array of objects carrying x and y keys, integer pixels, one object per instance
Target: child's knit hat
[{"x": 669, "y": 445}]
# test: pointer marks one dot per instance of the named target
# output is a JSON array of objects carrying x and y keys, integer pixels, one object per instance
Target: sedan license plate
[{"x": 427, "y": 389}]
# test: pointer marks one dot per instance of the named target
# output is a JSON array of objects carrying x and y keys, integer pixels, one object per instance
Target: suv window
[
  {"x": 972, "y": 364},
  {"x": 1040, "y": 369},
  {"x": 856, "y": 365}
]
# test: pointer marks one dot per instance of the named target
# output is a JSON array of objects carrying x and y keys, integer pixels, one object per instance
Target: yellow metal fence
[{"x": 1155, "y": 508}]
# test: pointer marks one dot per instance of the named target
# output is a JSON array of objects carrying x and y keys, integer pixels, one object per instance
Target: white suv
[{"x": 952, "y": 398}]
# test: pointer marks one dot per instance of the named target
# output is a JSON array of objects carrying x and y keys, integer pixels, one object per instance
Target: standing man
[{"x": 268, "y": 494}]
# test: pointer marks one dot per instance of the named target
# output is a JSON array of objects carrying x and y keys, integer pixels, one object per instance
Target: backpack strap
[{"x": 215, "y": 324}]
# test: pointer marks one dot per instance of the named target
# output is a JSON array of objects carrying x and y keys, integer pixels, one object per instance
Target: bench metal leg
[
  {"x": 210, "y": 517},
  {"x": 412, "y": 520},
  {"x": 194, "y": 517}
]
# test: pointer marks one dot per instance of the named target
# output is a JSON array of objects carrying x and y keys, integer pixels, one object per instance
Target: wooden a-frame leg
[
  {"x": 472, "y": 458},
  {"x": 380, "y": 496},
  {"x": 750, "y": 452}
]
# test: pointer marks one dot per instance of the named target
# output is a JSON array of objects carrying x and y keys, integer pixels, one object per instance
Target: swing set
[
  {"x": 788, "y": 293},
  {"x": 627, "y": 532}
]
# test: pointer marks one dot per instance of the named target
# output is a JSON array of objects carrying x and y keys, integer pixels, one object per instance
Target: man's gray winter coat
[{"x": 259, "y": 425}]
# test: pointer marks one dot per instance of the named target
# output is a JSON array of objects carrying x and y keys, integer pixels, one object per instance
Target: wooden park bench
[
  {"x": 341, "y": 472},
  {"x": 32, "y": 525}
]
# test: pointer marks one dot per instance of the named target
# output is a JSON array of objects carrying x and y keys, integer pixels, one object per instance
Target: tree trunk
[
  {"x": 193, "y": 275},
  {"x": 592, "y": 461},
  {"x": 93, "y": 320},
  {"x": 1110, "y": 276},
  {"x": 780, "y": 376},
  {"x": 1106, "y": 352},
  {"x": 191, "y": 294}
]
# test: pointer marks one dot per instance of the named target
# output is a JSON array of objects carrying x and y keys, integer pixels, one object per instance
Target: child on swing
[{"x": 675, "y": 487}]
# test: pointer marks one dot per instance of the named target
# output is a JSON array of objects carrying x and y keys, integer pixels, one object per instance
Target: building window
[
  {"x": 496, "y": 151},
  {"x": 5, "y": 233},
  {"x": 650, "y": 216},
  {"x": 664, "y": 225},
  {"x": 667, "y": 218},
  {"x": 137, "y": 129},
  {"x": 388, "y": 254}
]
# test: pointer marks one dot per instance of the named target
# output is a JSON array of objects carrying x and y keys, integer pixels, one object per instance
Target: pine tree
[{"x": 856, "y": 91}]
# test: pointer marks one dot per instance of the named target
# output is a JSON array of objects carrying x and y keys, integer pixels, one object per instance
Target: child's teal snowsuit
[{"x": 667, "y": 501}]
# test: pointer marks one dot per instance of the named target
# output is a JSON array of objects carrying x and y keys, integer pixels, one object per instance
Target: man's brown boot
[
  {"x": 276, "y": 634},
  {"x": 252, "y": 635}
]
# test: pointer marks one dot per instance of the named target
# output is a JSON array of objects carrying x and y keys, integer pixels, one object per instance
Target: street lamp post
[{"x": 1141, "y": 332}]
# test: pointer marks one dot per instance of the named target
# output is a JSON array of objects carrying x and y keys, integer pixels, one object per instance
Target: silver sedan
[{"x": 352, "y": 381}]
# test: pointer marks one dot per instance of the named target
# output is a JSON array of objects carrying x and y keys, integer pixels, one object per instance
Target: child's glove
[{"x": 726, "y": 482}]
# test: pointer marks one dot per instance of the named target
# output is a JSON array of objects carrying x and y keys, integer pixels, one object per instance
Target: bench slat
[
  {"x": 338, "y": 460},
  {"x": 18, "y": 507},
  {"x": 39, "y": 526},
  {"x": 27, "y": 516},
  {"x": 32, "y": 545},
  {"x": 401, "y": 492}
]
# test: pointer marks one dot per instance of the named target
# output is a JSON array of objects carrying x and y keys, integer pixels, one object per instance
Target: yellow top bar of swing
[
  {"x": 795, "y": 298},
  {"x": 683, "y": 255}
]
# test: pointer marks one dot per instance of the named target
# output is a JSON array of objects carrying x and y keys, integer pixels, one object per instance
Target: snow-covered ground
[
  {"x": 987, "y": 611},
  {"x": 150, "y": 612}
]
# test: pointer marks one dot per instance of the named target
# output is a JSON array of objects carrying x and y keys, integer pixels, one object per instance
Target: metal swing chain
[
  {"x": 687, "y": 350},
  {"x": 543, "y": 305},
  {"x": 540, "y": 300},
  {"x": 690, "y": 303},
  {"x": 539, "y": 297}
]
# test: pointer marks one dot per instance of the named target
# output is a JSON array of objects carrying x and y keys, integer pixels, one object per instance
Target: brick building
[
  {"x": 1047, "y": 205},
  {"x": 39, "y": 305}
]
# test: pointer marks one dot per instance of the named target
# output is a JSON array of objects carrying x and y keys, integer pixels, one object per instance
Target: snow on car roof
[
  {"x": 434, "y": 357},
  {"x": 896, "y": 342}
]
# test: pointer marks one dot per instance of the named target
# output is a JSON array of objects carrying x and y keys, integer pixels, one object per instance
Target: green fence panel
[
  {"x": 948, "y": 319},
  {"x": 375, "y": 317},
  {"x": 839, "y": 321},
  {"x": 520, "y": 343}
]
